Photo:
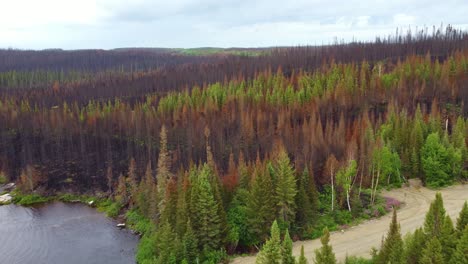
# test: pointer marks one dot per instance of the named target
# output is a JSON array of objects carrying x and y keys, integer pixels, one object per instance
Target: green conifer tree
[
  {"x": 462, "y": 220},
  {"x": 164, "y": 243},
  {"x": 414, "y": 245},
  {"x": 447, "y": 239},
  {"x": 261, "y": 205},
  {"x": 392, "y": 248},
  {"x": 460, "y": 255},
  {"x": 286, "y": 189},
  {"x": 302, "y": 259},
  {"x": 204, "y": 213},
  {"x": 271, "y": 251},
  {"x": 190, "y": 245},
  {"x": 435, "y": 217},
  {"x": 432, "y": 253},
  {"x": 286, "y": 250},
  {"x": 325, "y": 254},
  {"x": 305, "y": 214}
]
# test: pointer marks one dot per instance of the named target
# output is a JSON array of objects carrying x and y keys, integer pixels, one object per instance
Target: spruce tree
[
  {"x": 182, "y": 214},
  {"x": 271, "y": 251},
  {"x": 304, "y": 214},
  {"x": 164, "y": 242},
  {"x": 204, "y": 213},
  {"x": 312, "y": 192},
  {"x": 325, "y": 254},
  {"x": 460, "y": 255},
  {"x": 392, "y": 248},
  {"x": 190, "y": 245},
  {"x": 302, "y": 259},
  {"x": 286, "y": 250},
  {"x": 432, "y": 253},
  {"x": 462, "y": 220},
  {"x": 414, "y": 245},
  {"x": 285, "y": 188},
  {"x": 260, "y": 205},
  {"x": 435, "y": 217},
  {"x": 447, "y": 239}
]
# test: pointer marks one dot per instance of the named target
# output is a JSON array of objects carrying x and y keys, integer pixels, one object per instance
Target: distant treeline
[{"x": 129, "y": 74}]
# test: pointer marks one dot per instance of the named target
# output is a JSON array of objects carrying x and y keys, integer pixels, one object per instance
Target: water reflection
[{"x": 62, "y": 233}]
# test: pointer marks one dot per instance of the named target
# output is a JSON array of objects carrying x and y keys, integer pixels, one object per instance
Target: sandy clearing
[{"x": 358, "y": 240}]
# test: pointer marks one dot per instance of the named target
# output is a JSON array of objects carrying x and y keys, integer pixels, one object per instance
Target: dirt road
[{"x": 358, "y": 240}]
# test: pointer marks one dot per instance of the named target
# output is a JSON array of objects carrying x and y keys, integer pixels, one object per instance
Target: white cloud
[{"x": 191, "y": 23}]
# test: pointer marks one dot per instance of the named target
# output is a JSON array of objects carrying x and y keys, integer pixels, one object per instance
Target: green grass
[
  {"x": 30, "y": 199},
  {"x": 109, "y": 207}
]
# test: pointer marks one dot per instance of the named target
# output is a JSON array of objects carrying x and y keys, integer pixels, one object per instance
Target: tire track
[{"x": 358, "y": 240}]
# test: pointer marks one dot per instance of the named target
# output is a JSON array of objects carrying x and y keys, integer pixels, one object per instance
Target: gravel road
[{"x": 358, "y": 240}]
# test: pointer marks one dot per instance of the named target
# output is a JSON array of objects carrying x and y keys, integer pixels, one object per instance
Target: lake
[{"x": 59, "y": 233}]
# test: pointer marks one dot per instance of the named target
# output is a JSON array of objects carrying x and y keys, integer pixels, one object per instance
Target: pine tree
[
  {"x": 435, "y": 217},
  {"x": 302, "y": 259},
  {"x": 286, "y": 250},
  {"x": 432, "y": 253},
  {"x": 460, "y": 255},
  {"x": 325, "y": 254},
  {"x": 392, "y": 248},
  {"x": 271, "y": 251},
  {"x": 462, "y": 220},
  {"x": 285, "y": 187}
]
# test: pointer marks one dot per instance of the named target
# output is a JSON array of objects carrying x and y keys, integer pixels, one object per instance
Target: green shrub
[
  {"x": 138, "y": 222},
  {"x": 146, "y": 251},
  {"x": 343, "y": 217},
  {"x": 215, "y": 257}
]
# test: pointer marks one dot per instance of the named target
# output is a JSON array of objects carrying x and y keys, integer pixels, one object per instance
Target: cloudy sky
[{"x": 77, "y": 24}]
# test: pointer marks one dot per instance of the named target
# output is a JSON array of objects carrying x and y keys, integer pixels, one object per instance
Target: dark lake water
[{"x": 59, "y": 233}]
